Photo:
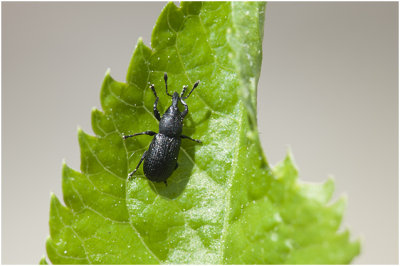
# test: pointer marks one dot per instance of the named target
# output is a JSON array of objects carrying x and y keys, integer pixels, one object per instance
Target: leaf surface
[{"x": 223, "y": 204}]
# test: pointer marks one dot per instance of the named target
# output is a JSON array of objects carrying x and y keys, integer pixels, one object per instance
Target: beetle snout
[{"x": 175, "y": 99}]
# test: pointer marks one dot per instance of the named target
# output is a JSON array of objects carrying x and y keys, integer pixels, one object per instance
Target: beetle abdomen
[{"x": 161, "y": 157}]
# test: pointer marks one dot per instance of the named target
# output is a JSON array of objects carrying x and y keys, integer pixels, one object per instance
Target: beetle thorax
[{"x": 171, "y": 122}]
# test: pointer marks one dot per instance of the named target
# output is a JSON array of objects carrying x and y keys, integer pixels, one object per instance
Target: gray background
[{"x": 328, "y": 90}]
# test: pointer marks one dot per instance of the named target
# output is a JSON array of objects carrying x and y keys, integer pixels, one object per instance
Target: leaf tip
[
  {"x": 140, "y": 45},
  {"x": 340, "y": 205},
  {"x": 52, "y": 195},
  {"x": 64, "y": 168},
  {"x": 94, "y": 109},
  {"x": 289, "y": 153},
  {"x": 330, "y": 183},
  {"x": 329, "y": 187},
  {"x": 343, "y": 198},
  {"x": 53, "y": 199},
  {"x": 43, "y": 261},
  {"x": 330, "y": 179},
  {"x": 355, "y": 243},
  {"x": 81, "y": 134},
  {"x": 108, "y": 71},
  {"x": 290, "y": 161},
  {"x": 107, "y": 79},
  {"x": 358, "y": 241},
  {"x": 79, "y": 129}
]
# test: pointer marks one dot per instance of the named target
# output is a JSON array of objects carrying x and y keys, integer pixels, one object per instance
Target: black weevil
[{"x": 161, "y": 159}]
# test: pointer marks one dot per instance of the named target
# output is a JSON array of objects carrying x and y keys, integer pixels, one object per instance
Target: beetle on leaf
[{"x": 161, "y": 159}]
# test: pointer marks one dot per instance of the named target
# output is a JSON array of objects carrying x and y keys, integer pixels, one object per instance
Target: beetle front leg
[
  {"x": 149, "y": 132},
  {"x": 186, "y": 137},
  {"x": 137, "y": 167},
  {"x": 184, "y": 112}
]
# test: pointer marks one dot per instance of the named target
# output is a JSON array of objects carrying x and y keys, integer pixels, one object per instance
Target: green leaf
[{"x": 223, "y": 204}]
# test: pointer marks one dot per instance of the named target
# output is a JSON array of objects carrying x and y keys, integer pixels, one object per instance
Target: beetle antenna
[
  {"x": 184, "y": 90},
  {"x": 166, "y": 86},
  {"x": 194, "y": 87}
]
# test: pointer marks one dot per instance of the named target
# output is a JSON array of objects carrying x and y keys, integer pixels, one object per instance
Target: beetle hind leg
[{"x": 186, "y": 137}]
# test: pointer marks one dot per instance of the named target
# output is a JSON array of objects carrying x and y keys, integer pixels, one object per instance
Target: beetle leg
[
  {"x": 176, "y": 166},
  {"x": 149, "y": 132},
  {"x": 156, "y": 113},
  {"x": 137, "y": 167},
  {"x": 186, "y": 137},
  {"x": 184, "y": 112}
]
